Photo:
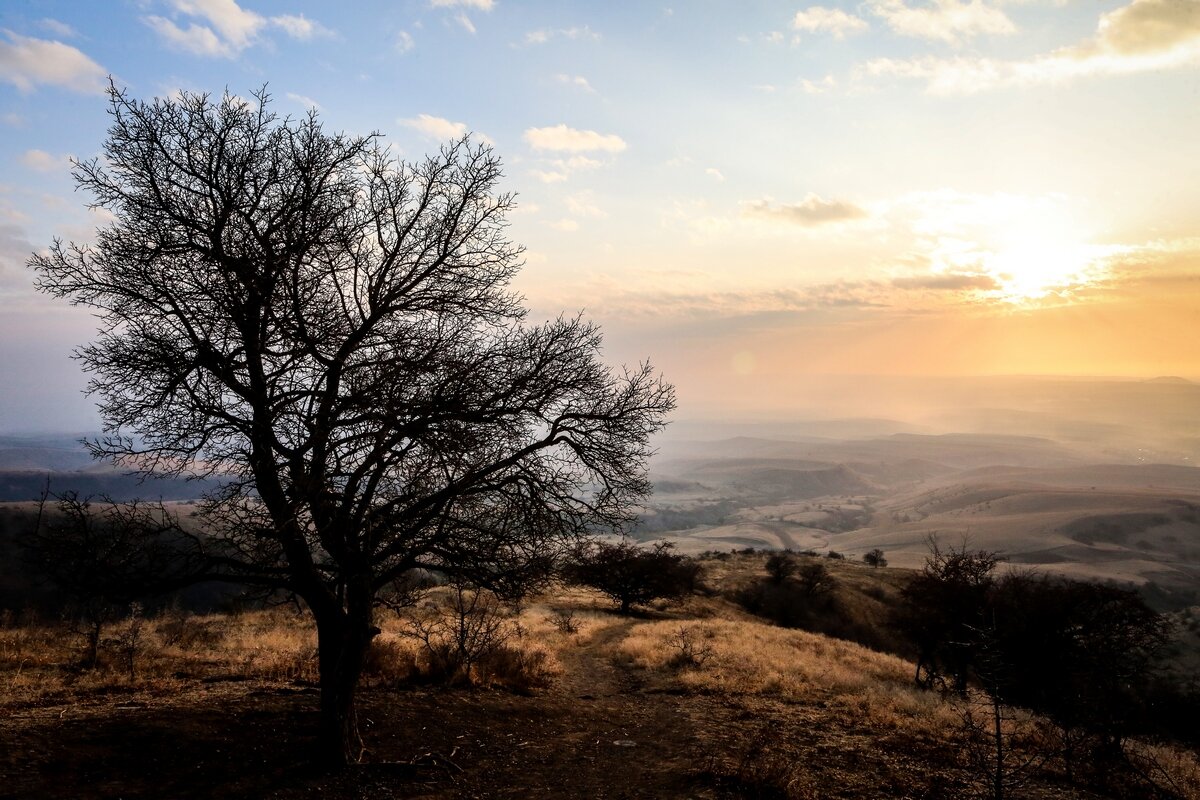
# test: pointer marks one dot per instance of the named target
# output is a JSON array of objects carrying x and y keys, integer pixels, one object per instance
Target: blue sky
[{"x": 748, "y": 193}]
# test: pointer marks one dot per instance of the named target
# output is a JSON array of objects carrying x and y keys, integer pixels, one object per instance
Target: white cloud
[
  {"x": 223, "y": 28},
  {"x": 303, "y": 100},
  {"x": 715, "y": 173},
  {"x": 236, "y": 26},
  {"x": 583, "y": 204},
  {"x": 563, "y": 168},
  {"x": 41, "y": 161},
  {"x": 300, "y": 27},
  {"x": 196, "y": 39},
  {"x": 481, "y": 5},
  {"x": 774, "y": 37},
  {"x": 60, "y": 29},
  {"x": 1144, "y": 36},
  {"x": 436, "y": 127},
  {"x": 441, "y": 128},
  {"x": 949, "y": 21},
  {"x": 561, "y": 138},
  {"x": 567, "y": 225},
  {"x": 827, "y": 20},
  {"x": 578, "y": 81},
  {"x": 26, "y": 62},
  {"x": 818, "y": 87},
  {"x": 544, "y": 35},
  {"x": 13, "y": 119},
  {"x": 809, "y": 212},
  {"x": 404, "y": 42},
  {"x": 550, "y": 176},
  {"x": 465, "y": 23}
]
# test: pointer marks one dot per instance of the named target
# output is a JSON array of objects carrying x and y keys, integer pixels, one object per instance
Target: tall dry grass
[
  {"x": 41, "y": 662},
  {"x": 746, "y": 658}
]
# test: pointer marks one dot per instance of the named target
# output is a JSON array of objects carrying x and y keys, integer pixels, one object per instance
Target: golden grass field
[{"x": 692, "y": 699}]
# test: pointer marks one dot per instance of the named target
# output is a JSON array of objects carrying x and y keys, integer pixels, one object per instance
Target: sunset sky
[{"x": 750, "y": 194}]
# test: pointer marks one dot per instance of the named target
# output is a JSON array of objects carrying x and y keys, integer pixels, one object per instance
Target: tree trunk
[{"x": 342, "y": 644}]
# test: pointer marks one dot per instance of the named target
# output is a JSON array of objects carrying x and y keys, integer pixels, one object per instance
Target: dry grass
[
  {"x": 751, "y": 659},
  {"x": 40, "y": 663}
]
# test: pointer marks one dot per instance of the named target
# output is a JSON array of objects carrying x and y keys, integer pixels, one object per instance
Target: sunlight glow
[{"x": 1032, "y": 269}]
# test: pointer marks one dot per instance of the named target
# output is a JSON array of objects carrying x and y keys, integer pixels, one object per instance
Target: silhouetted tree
[
  {"x": 1080, "y": 653},
  {"x": 330, "y": 330},
  {"x": 941, "y": 609},
  {"x": 875, "y": 558},
  {"x": 633, "y": 575}
]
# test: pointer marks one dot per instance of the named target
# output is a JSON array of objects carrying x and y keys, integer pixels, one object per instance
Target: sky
[{"x": 753, "y": 195}]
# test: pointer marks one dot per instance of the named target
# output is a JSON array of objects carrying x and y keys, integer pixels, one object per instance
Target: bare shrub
[
  {"x": 1001, "y": 746},
  {"x": 564, "y": 622},
  {"x": 459, "y": 633},
  {"x": 691, "y": 647},
  {"x": 130, "y": 639}
]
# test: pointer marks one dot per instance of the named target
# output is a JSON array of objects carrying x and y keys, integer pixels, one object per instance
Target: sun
[{"x": 1031, "y": 268}]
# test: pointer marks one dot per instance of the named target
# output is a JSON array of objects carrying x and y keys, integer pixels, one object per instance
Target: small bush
[
  {"x": 564, "y": 622},
  {"x": 691, "y": 647},
  {"x": 780, "y": 567}
]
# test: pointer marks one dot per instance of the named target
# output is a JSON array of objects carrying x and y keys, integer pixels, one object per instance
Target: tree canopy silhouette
[{"x": 331, "y": 330}]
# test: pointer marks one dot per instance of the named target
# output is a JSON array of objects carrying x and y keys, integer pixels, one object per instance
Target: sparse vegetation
[{"x": 700, "y": 699}]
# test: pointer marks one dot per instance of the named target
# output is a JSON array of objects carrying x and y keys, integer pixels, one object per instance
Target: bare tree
[
  {"x": 102, "y": 556},
  {"x": 330, "y": 330}
]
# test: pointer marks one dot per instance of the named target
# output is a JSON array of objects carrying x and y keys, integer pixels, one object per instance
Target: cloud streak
[
  {"x": 809, "y": 212},
  {"x": 441, "y": 129},
  {"x": 563, "y": 139},
  {"x": 1144, "y": 36},
  {"x": 950, "y": 21},
  {"x": 834, "y": 21}
]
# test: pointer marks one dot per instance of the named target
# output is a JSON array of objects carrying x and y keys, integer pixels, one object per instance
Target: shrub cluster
[{"x": 1081, "y": 654}]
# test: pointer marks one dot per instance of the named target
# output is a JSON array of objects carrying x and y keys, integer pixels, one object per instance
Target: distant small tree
[
  {"x": 633, "y": 575},
  {"x": 781, "y": 566},
  {"x": 104, "y": 556},
  {"x": 875, "y": 558}
]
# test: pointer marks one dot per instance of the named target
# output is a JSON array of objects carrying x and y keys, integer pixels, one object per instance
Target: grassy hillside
[{"x": 695, "y": 699}]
